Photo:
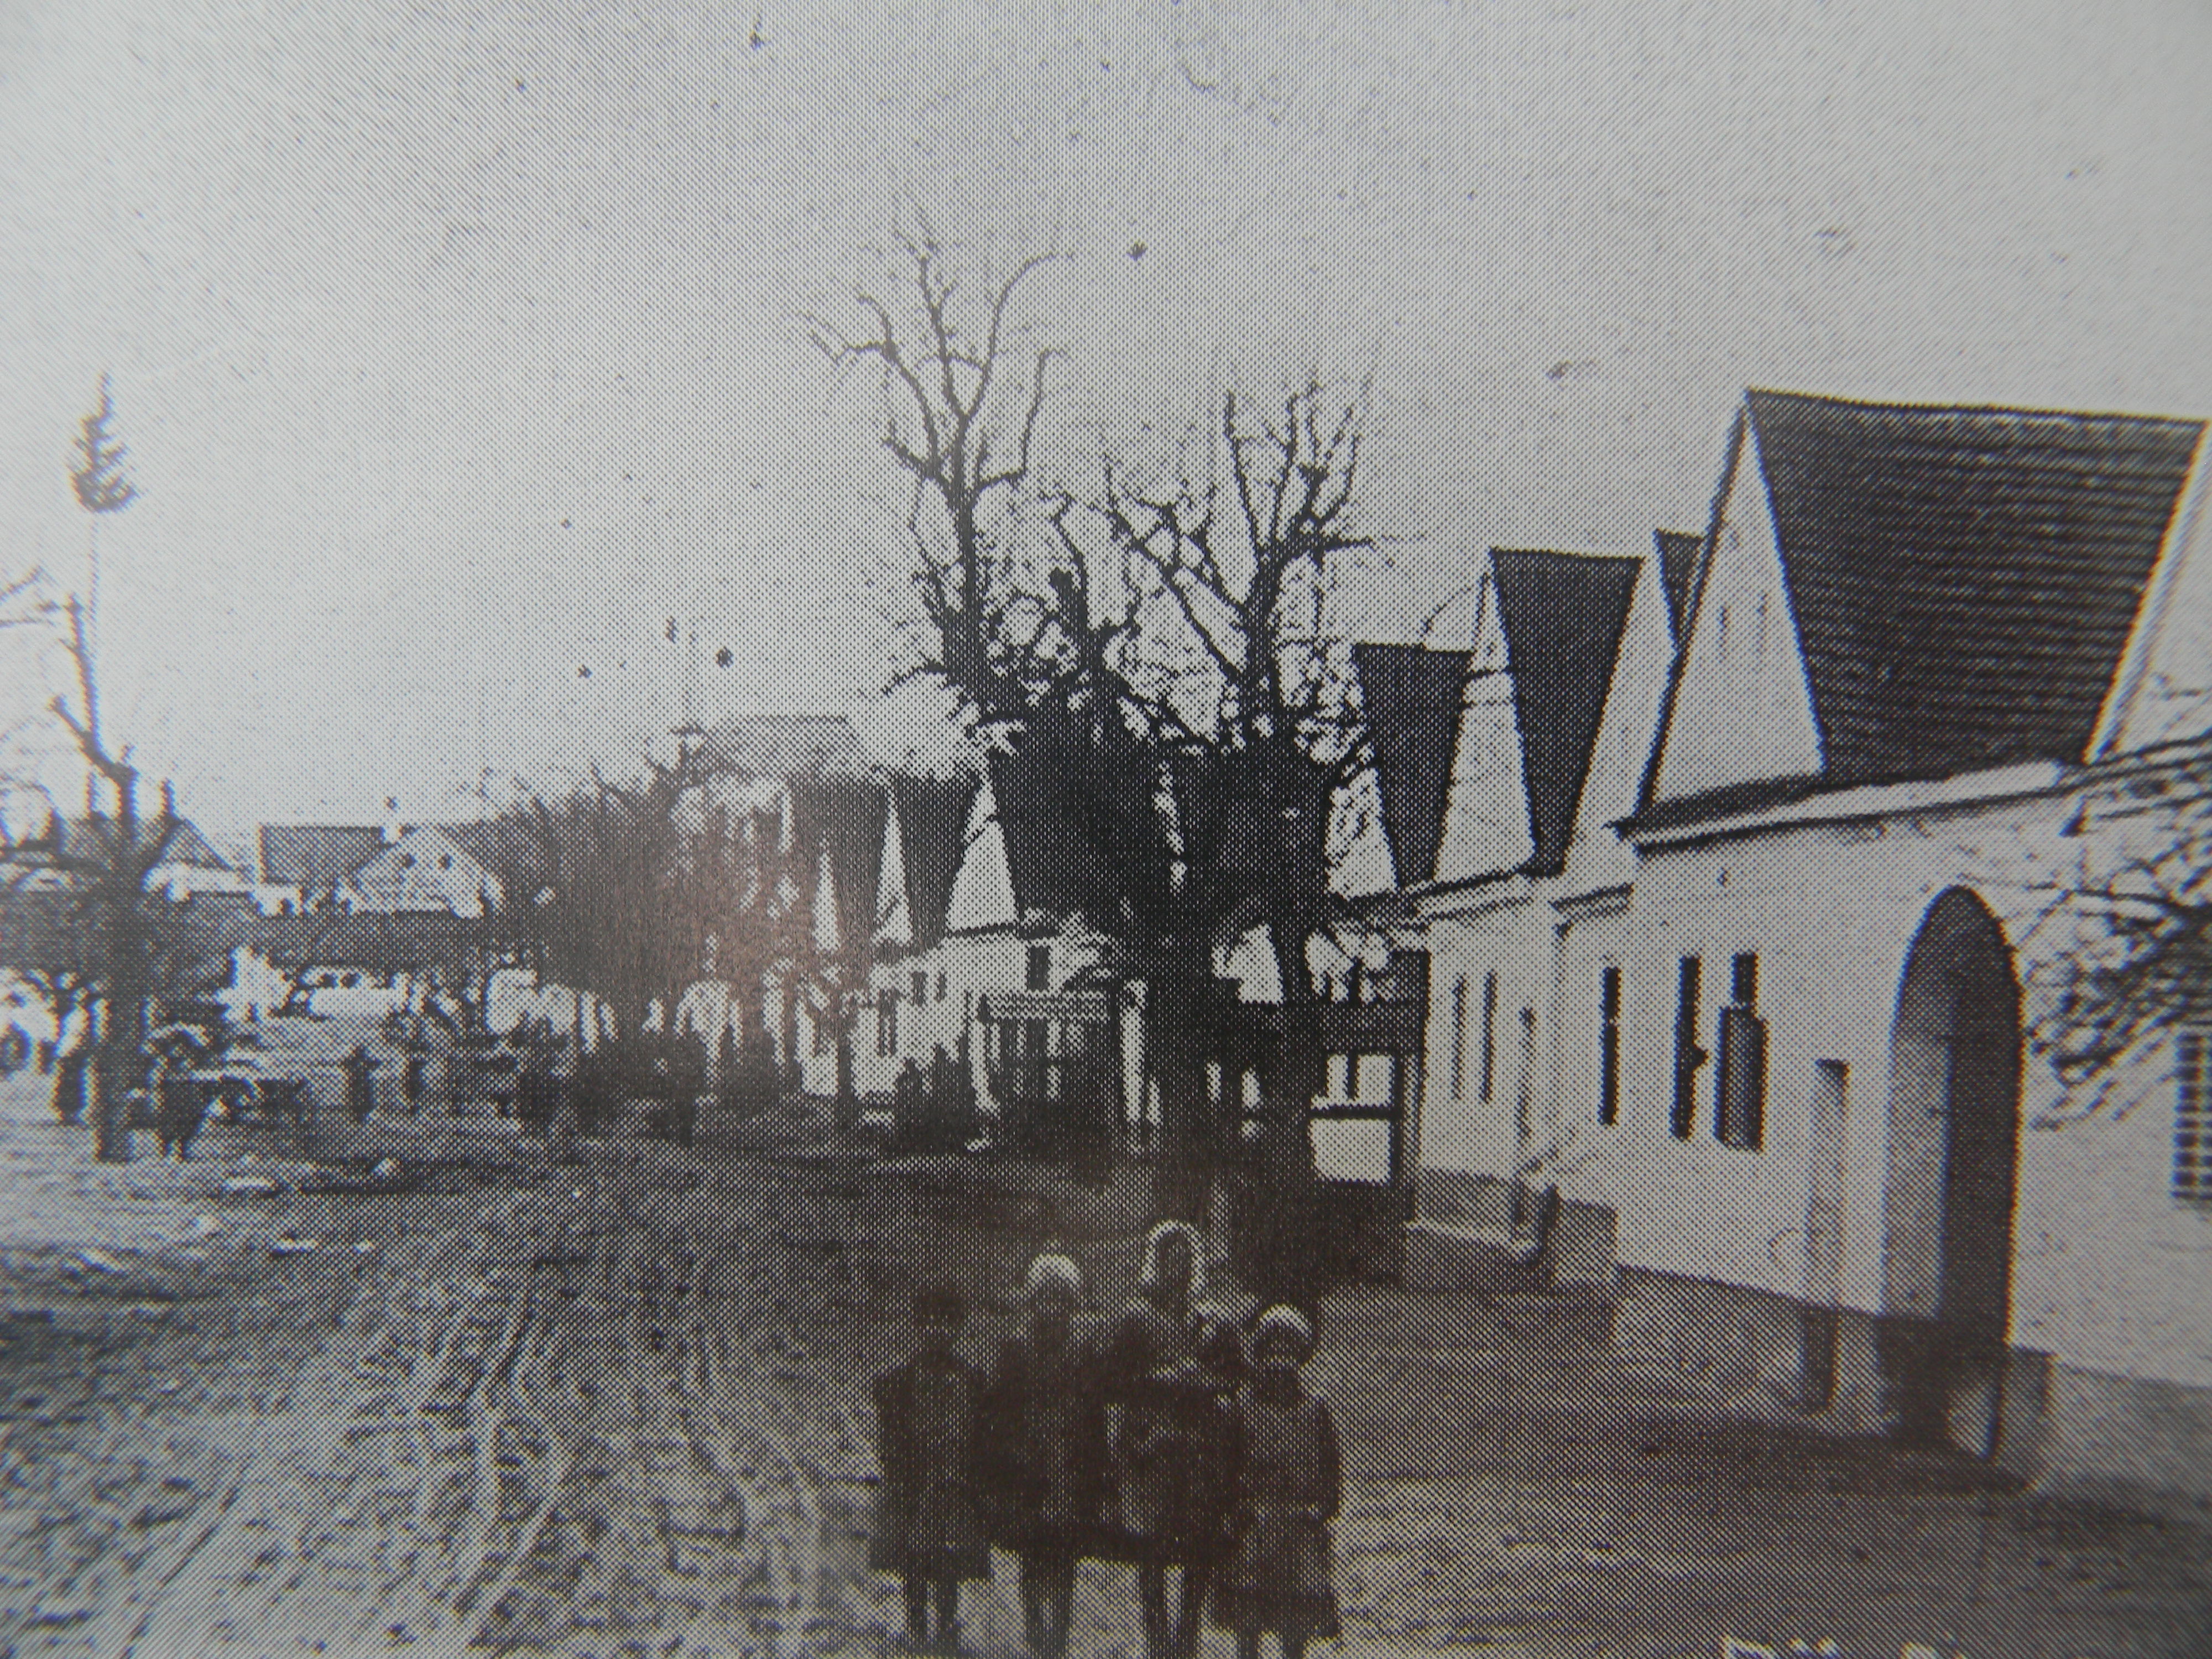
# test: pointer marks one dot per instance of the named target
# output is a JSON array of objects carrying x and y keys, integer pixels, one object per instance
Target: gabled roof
[
  {"x": 316, "y": 855},
  {"x": 844, "y": 817},
  {"x": 512, "y": 851},
  {"x": 1413, "y": 697},
  {"x": 84, "y": 835},
  {"x": 1562, "y": 615},
  {"x": 1055, "y": 839},
  {"x": 1962, "y": 580},
  {"x": 933, "y": 820},
  {"x": 787, "y": 746},
  {"x": 1679, "y": 552}
]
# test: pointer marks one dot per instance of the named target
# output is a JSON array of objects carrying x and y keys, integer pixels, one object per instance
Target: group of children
[{"x": 1172, "y": 1438}]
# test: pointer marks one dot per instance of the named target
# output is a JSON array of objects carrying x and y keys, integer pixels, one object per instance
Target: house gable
[
  {"x": 983, "y": 890},
  {"x": 1742, "y": 705},
  {"x": 1622, "y": 749},
  {"x": 1485, "y": 830},
  {"x": 425, "y": 870},
  {"x": 1564, "y": 617},
  {"x": 896, "y": 928},
  {"x": 2163, "y": 691}
]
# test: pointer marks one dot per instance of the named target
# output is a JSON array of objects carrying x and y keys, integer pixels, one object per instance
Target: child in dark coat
[
  {"x": 1289, "y": 1485},
  {"x": 929, "y": 1436},
  {"x": 1047, "y": 1418}
]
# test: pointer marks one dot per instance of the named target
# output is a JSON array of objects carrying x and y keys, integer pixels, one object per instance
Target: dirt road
[{"x": 572, "y": 1411}]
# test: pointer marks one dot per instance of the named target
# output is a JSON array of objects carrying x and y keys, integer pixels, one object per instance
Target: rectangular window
[
  {"x": 921, "y": 988},
  {"x": 821, "y": 1032},
  {"x": 2192, "y": 1119},
  {"x": 1608, "y": 1045},
  {"x": 941, "y": 982},
  {"x": 1489, "y": 1036},
  {"x": 1740, "y": 1114},
  {"x": 1739, "y": 1085},
  {"x": 1688, "y": 1056},
  {"x": 1039, "y": 968},
  {"x": 887, "y": 1004},
  {"x": 1458, "y": 1039}
]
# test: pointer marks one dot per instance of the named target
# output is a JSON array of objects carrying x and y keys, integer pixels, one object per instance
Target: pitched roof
[
  {"x": 932, "y": 818},
  {"x": 1057, "y": 837},
  {"x": 787, "y": 746},
  {"x": 1964, "y": 580},
  {"x": 1413, "y": 697},
  {"x": 1679, "y": 551},
  {"x": 844, "y": 816},
  {"x": 316, "y": 855},
  {"x": 1562, "y": 615},
  {"x": 83, "y": 833}
]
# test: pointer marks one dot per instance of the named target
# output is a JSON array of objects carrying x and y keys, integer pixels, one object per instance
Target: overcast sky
[{"x": 460, "y": 347}]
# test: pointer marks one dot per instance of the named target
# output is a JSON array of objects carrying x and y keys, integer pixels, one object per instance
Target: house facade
[{"x": 1767, "y": 1057}]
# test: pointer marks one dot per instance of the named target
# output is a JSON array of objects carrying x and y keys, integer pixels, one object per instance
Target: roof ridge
[{"x": 1830, "y": 400}]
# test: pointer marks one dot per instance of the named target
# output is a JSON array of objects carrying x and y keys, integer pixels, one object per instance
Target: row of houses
[{"x": 1743, "y": 867}]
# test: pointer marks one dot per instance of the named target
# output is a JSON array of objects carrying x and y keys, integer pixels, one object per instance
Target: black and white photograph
[{"x": 1153, "y": 830}]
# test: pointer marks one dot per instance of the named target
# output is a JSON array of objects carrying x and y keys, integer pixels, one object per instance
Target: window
[
  {"x": 445, "y": 860},
  {"x": 921, "y": 988},
  {"x": 887, "y": 1004},
  {"x": 940, "y": 986},
  {"x": 1039, "y": 968},
  {"x": 1489, "y": 1036},
  {"x": 2192, "y": 1119},
  {"x": 407, "y": 860},
  {"x": 1688, "y": 1056},
  {"x": 1739, "y": 1085},
  {"x": 1608, "y": 1045},
  {"x": 1458, "y": 1039},
  {"x": 821, "y": 1032}
]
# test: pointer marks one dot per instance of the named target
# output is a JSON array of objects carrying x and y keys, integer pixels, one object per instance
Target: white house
[{"x": 1782, "y": 1067}]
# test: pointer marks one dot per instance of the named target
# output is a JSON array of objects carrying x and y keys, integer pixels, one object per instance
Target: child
[
  {"x": 1289, "y": 1487},
  {"x": 1048, "y": 1419},
  {"x": 928, "y": 1427}
]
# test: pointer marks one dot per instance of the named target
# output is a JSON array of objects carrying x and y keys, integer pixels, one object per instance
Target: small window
[
  {"x": 2192, "y": 1119},
  {"x": 921, "y": 987},
  {"x": 821, "y": 1033},
  {"x": 1039, "y": 968},
  {"x": 407, "y": 860},
  {"x": 1489, "y": 1036},
  {"x": 1739, "y": 1084},
  {"x": 940, "y": 986},
  {"x": 1458, "y": 1039},
  {"x": 445, "y": 860},
  {"x": 1608, "y": 1045},
  {"x": 1688, "y": 1056}
]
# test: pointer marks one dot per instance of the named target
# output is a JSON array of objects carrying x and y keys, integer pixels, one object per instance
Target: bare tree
[
  {"x": 961, "y": 394},
  {"x": 1170, "y": 658},
  {"x": 109, "y": 860},
  {"x": 2123, "y": 948}
]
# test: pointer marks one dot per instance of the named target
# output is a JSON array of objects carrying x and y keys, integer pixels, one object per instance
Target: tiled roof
[
  {"x": 787, "y": 746},
  {"x": 1057, "y": 837},
  {"x": 1679, "y": 552},
  {"x": 1964, "y": 579},
  {"x": 1413, "y": 697},
  {"x": 84, "y": 836},
  {"x": 1562, "y": 615},
  {"x": 844, "y": 815},
  {"x": 932, "y": 816},
  {"x": 316, "y": 855}
]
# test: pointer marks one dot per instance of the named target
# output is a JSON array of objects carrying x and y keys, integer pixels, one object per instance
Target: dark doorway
[{"x": 1953, "y": 1178}]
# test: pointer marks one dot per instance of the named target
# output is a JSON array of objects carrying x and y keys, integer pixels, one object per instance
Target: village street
[{"x": 618, "y": 1407}]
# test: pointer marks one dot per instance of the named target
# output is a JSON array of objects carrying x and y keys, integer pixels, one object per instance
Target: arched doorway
[{"x": 1953, "y": 1178}]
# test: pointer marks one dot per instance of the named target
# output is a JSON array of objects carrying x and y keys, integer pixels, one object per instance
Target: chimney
[{"x": 392, "y": 827}]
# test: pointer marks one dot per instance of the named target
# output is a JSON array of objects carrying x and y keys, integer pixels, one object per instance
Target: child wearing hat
[
  {"x": 1048, "y": 1425},
  {"x": 929, "y": 1436},
  {"x": 1280, "y": 1576}
]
